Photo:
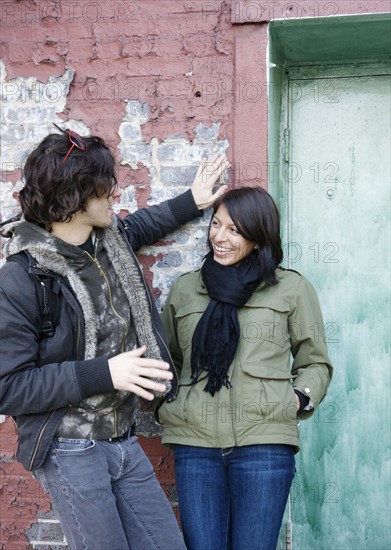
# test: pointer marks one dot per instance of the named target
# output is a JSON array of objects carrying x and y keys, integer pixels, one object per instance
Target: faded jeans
[
  {"x": 107, "y": 497},
  {"x": 234, "y": 498}
]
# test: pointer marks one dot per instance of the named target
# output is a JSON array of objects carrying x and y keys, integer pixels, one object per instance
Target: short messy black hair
[{"x": 55, "y": 189}]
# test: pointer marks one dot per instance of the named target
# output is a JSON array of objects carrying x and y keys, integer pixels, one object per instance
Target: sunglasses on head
[{"x": 75, "y": 139}]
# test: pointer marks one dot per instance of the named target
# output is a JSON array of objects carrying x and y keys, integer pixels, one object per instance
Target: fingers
[
  {"x": 220, "y": 191},
  {"x": 131, "y": 372},
  {"x": 210, "y": 170},
  {"x": 144, "y": 362},
  {"x": 137, "y": 352},
  {"x": 215, "y": 168},
  {"x": 215, "y": 165},
  {"x": 144, "y": 393},
  {"x": 149, "y": 368},
  {"x": 143, "y": 386},
  {"x": 207, "y": 175},
  {"x": 139, "y": 382}
]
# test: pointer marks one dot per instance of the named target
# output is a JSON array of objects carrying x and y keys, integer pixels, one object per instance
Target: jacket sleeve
[
  {"x": 148, "y": 225},
  {"x": 170, "y": 330},
  {"x": 26, "y": 385},
  {"x": 311, "y": 369}
]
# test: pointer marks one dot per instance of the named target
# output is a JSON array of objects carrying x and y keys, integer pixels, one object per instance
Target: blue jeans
[
  {"x": 107, "y": 497},
  {"x": 234, "y": 498}
]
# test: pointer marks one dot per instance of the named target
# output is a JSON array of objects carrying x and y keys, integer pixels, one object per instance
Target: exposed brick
[
  {"x": 180, "y": 176},
  {"x": 49, "y": 515},
  {"x": 134, "y": 152},
  {"x": 46, "y": 531},
  {"x": 174, "y": 151},
  {"x": 170, "y": 260}
]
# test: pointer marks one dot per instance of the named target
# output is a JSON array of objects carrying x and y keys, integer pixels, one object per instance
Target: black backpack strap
[
  {"x": 46, "y": 302},
  {"x": 47, "y": 297}
]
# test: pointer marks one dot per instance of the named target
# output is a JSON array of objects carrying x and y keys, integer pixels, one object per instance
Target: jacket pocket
[
  {"x": 173, "y": 413},
  {"x": 192, "y": 407},
  {"x": 270, "y": 390},
  {"x": 71, "y": 447},
  {"x": 187, "y": 318},
  {"x": 266, "y": 320}
]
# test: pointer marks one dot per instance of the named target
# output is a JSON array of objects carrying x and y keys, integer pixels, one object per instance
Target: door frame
[{"x": 289, "y": 42}]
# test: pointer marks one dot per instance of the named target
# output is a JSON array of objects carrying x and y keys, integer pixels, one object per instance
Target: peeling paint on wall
[{"x": 29, "y": 107}]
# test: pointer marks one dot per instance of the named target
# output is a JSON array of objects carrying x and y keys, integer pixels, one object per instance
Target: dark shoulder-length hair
[
  {"x": 256, "y": 217},
  {"x": 55, "y": 189}
]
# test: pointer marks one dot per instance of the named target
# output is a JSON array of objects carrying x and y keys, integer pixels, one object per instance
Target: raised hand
[{"x": 207, "y": 175}]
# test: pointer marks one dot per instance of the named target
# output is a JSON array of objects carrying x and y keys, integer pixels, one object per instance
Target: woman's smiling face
[{"x": 229, "y": 246}]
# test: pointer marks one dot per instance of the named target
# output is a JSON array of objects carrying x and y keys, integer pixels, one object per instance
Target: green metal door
[{"x": 335, "y": 208}]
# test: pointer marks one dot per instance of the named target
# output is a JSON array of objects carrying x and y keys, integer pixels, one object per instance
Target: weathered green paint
[
  {"x": 334, "y": 195},
  {"x": 337, "y": 223},
  {"x": 333, "y": 39}
]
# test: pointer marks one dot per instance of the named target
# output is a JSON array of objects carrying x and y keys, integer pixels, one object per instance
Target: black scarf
[{"x": 217, "y": 334}]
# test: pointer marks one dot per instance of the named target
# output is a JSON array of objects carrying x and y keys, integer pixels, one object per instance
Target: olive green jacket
[{"x": 276, "y": 323}]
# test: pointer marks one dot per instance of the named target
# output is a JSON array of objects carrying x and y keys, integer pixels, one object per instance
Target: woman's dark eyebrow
[{"x": 217, "y": 219}]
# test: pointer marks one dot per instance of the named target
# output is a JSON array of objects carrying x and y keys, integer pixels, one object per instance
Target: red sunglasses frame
[{"x": 75, "y": 139}]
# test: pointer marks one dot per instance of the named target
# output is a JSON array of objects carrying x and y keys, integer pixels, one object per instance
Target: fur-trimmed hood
[{"x": 50, "y": 254}]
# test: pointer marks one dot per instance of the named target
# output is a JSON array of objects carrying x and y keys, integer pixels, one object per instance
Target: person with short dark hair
[
  {"x": 232, "y": 327},
  {"x": 74, "y": 389}
]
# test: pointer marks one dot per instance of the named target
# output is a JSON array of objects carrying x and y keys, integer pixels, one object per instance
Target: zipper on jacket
[
  {"x": 39, "y": 440},
  {"x": 118, "y": 315},
  {"x": 103, "y": 274}
]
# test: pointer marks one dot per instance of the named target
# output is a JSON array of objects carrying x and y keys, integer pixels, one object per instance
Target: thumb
[
  {"x": 137, "y": 352},
  {"x": 220, "y": 191}
]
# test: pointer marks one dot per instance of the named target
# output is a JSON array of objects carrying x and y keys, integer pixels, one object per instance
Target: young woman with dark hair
[{"x": 232, "y": 327}]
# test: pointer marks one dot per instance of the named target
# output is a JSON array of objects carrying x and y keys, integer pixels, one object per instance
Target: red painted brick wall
[{"x": 191, "y": 63}]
